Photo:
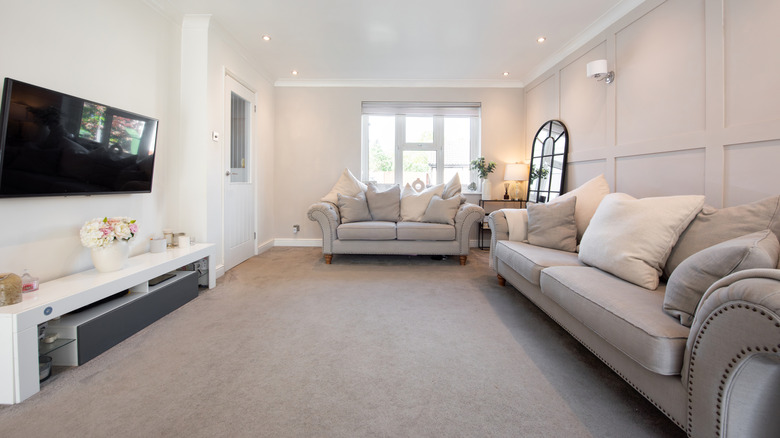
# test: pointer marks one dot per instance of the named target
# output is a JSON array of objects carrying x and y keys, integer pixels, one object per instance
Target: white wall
[
  {"x": 110, "y": 51},
  {"x": 693, "y": 109},
  {"x": 318, "y": 134},
  {"x": 208, "y": 54},
  {"x": 226, "y": 57}
]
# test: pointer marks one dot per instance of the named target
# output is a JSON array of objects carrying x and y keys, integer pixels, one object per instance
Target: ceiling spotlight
[
  {"x": 295, "y": 72},
  {"x": 541, "y": 39},
  {"x": 506, "y": 73},
  {"x": 266, "y": 38}
]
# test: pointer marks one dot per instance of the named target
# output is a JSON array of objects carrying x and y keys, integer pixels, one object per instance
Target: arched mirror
[{"x": 548, "y": 162}]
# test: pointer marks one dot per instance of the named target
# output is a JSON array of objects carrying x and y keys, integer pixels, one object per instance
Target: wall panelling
[{"x": 694, "y": 109}]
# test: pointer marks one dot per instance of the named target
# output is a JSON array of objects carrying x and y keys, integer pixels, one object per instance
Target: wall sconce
[
  {"x": 598, "y": 69},
  {"x": 515, "y": 172}
]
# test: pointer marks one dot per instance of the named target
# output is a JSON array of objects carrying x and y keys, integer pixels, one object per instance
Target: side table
[{"x": 491, "y": 205}]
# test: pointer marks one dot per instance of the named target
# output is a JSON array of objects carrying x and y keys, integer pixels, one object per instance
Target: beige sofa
[
  {"x": 356, "y": 218},
  {"x": 718, "y": 377},
  {"x": 400, "y": 237}
]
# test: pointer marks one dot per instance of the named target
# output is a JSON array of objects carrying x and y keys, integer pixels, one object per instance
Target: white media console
[{"x": 19, "y": 378}]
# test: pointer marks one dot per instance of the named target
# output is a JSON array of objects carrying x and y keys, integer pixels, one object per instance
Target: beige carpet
[{"x": 287, "y": 346}]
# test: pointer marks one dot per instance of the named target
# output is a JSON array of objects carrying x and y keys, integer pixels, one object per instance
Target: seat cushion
[
  {"x": 529, "y": 260},
  {"x": 425, "y": 231},
  {"x": 370, "y": 230},
  {"x": 628, "y": 316}
]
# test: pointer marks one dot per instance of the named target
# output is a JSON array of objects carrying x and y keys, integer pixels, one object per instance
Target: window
[{"x": 404, "y": 141}]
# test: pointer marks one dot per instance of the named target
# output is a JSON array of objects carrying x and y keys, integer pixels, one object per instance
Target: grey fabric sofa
[
  {"x": 385, "y": 237},
  {"x": 720, "y": 377}
]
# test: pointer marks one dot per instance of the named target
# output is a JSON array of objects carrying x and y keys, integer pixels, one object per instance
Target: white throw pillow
[
  {"x": 347, "y": 185},
  {"x": 589, "y": 196},
  {"x": 517, "y": 223},
  {"x": 414, "y": 204},
  {"x": 452, "y": 188},
  {"x": 632, "y": 238}
]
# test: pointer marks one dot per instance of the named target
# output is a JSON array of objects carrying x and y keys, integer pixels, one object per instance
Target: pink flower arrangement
[{"x": 100, "y": 233}]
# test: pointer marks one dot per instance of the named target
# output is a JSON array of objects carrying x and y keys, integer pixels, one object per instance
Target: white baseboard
[
  {"x": 298, "y": 242},
  {"x": 220, "y": 270},
  {"x": 473, "y": 243},
  {"x": 265, "y": 246}
]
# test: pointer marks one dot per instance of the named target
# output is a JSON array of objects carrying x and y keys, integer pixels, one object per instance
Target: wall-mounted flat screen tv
[{"x": 54, "y": 144}]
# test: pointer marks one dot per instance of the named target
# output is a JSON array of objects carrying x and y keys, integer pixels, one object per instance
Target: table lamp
[{"x": 513, "y": 174}]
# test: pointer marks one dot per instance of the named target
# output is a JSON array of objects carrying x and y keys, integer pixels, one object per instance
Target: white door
[{"x": 239, "y": 211}]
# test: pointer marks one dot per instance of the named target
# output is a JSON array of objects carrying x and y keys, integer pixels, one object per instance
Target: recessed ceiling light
[
  {"x": 541, "y": 39},
  {"x": 506, "y": 73},
  {"x": 295, "y": 72},
  {"x": 266, "y": 38}
]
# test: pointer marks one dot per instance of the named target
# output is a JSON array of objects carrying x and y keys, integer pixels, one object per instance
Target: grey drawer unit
[{"x": 98, "y": 328}]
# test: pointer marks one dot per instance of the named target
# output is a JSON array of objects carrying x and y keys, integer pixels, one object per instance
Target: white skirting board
[
  {"x": 318, "y": 243},
  {"x": 298, "y": 242}
]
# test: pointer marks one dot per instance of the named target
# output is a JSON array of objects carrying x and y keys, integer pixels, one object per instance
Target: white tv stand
[{"x": 19, "y": 377}]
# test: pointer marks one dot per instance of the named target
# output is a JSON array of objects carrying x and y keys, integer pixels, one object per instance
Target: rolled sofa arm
[
  {"x": 467, "y": 215},
  {"x": 732, "y": 358},
  {"x": 327, "y": 215},
  {"x": 499, "y": 230}
]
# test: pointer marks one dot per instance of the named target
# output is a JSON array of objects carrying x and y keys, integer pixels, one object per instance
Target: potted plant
[{"x": 484, "y": 169}]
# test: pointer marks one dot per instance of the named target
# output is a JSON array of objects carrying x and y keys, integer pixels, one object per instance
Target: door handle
[{"x": 228, "y": 173}]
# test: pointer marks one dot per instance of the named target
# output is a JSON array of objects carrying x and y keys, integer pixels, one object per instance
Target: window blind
[{"x": 463, "y": 109}]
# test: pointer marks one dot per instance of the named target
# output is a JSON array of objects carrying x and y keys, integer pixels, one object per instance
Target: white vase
[
  {"x": 487, "y": 188},
  {"x": 110, "y": 258}
]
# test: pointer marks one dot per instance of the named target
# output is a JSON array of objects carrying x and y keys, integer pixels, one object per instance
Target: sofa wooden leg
[
  {"x": 501, "y": 280},
  {"x": 328, "y": 258},
  {"x": 463, "y": 260}
]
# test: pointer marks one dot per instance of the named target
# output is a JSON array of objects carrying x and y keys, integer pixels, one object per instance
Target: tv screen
[{"x": 55, "y": 144}]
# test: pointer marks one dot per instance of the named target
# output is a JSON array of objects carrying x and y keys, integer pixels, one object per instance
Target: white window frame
[{"x": 439, "y": 112}]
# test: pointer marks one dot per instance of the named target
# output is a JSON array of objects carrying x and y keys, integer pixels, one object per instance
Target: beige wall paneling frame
[{"x": 693, "y": 109}]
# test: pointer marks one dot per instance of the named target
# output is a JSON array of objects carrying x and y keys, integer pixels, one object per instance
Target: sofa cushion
[
  {"x": 627, "y": 316},
  {"x": 386, "y": 205},
  {"x": 414, "y": 203},
  {"x": 371, "y": 230},
  {"x": 442, "y": 211},
  {"x": 589, "y": 196},
  {"x": 425, "y": 231},
  {"x": 529, "y": 260},
  {"x": 353, "y": 208},
  {"x": 712, "y": 226},
  {"x": 632, "y": 238},
  {"x": 698, "y": 272},
  {"x": 552, "y": 225},
  {"x": 347, "y": 184},
  {"x": 452, "y": 188},
  {"x": 517, "y": 223}
]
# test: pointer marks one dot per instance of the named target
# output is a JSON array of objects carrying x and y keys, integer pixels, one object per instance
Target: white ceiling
[{"x": 445, "y": 42}]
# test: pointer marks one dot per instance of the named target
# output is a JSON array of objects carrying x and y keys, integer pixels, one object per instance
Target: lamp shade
[
  {"x": 597, "y": 68},
  {"x": 516, "y": 172}
]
